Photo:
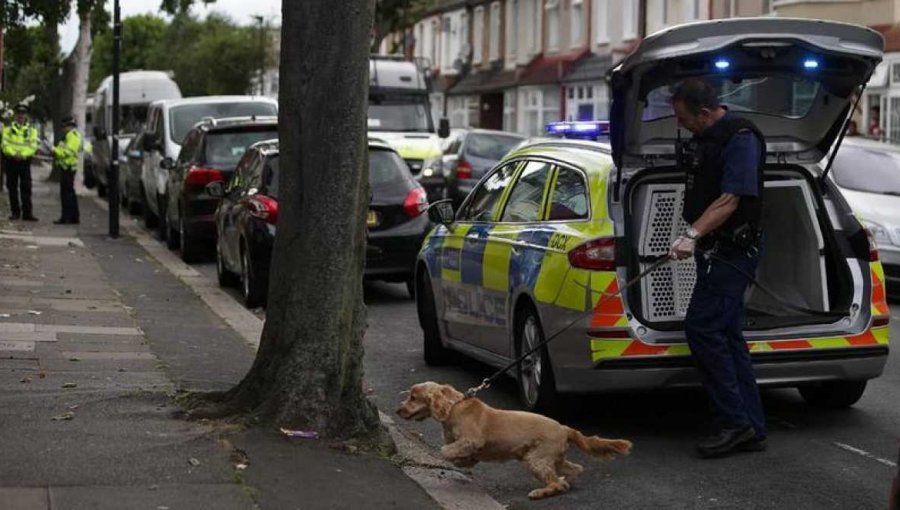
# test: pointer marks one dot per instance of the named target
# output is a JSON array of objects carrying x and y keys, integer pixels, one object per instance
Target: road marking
[{"x": 865, "y": 454}]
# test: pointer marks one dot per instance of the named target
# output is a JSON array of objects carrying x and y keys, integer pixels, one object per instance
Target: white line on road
[{"x": 865, "y": 454}]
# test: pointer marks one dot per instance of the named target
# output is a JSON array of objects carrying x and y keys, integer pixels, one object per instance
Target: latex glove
[{"x": 682, "y": 248}]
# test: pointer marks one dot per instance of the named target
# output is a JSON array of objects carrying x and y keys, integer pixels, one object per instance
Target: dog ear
[{"x": 440, "y": 405}]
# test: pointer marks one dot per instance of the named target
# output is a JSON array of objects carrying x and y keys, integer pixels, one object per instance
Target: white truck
[{"x": 400, "y": 115}]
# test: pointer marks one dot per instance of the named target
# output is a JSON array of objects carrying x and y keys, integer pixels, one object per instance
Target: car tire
[
  {"x": 251, "y": 286},
  {"x": 534, "y": 374},
  {"x": 173, "y": 238},
  {"x": 226, "y": 278},
  {"x": 190, "y": 251},
  {"x": 833, "y": 394},
  {"x": 163, "y": 223},
  {"x": 435, "y": 353},
  {"x": 150, "y": 219}
]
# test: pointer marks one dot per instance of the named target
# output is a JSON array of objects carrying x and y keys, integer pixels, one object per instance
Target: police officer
[
  {"x": 722, "y": 204},
  {"x": 65, "y": 155},
  {"x": 19, "y": 144}
]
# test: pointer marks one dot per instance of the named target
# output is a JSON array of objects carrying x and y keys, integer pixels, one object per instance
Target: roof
[
  {"x": 214, "y": 124},
  {"x": 444, "y": 6},
  {"x": 267, "y": 147},
  {"x": 213, "y": 99},
  {"x": 550, "y": 69},
  {"x": 591, "y": 67},
  {"x": 591, "y": 156},
  {"x": 485, "y": 81}
]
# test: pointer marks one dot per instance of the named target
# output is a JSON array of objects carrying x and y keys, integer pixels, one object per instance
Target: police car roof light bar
[{"x": 579, "y": 129}]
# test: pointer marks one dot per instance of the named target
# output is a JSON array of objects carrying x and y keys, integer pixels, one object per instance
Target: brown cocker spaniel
[{"x": 475, "y": 432}]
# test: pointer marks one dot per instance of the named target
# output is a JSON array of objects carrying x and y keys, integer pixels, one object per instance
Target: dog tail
[{"x": 598, "y": 446}]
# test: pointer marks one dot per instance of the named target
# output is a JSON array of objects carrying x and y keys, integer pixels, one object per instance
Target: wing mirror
[
  {"x": 167, "y": 163},
  {"x": 444, "y": 128},
  {"x": 442, "y": 212},
  {"x": 215, "y": 189}
]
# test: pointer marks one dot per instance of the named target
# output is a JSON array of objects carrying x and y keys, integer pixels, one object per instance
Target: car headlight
[
  {"x": 878, "y": 232},
  {"x": 432, "y": 167}
]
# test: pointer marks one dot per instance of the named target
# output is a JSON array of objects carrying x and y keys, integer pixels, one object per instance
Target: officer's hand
[{"x": 682, "y": 248}]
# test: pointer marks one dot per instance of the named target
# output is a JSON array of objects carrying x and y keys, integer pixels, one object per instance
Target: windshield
[
  {"x": 781, "y": 96},
  {"x": 868, "y": 170},
  {"x": 399, "y": 117},
  {"x": 270, "y": 176},
  {"x": 132, "y": 117},
  {"x": 182, "y": 118},
  {"x": 224, "y": 150},
  {"x": 492, "y": 147},
  {"x": 386, "y": 167}
]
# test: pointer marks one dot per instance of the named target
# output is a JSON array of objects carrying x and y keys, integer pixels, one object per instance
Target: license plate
[{"x": 372, "y": 219}]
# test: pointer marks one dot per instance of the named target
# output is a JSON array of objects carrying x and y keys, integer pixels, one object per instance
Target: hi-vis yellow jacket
[
  {"x": 19, "y": 141},
  {"x": 67, "y": 150}
]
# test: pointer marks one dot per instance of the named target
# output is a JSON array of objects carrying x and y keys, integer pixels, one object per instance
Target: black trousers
[
  {"x": 18, "y": 182},
  {"x": 67, "y": 196}
]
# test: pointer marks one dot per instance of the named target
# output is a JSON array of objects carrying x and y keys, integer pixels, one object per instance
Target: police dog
[{"x": 475, "y": 432}]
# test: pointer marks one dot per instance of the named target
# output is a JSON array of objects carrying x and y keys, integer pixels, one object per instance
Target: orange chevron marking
[
  {"x": 867, "y": 338},
  {"x": 790, "y": 344},
  {"x": 638, "y": 348}
]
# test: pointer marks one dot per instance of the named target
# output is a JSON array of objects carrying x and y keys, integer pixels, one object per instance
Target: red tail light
[
  {"x": 596, "y": 255},
  {"x": 463, "y": 169},
  {"x": 264, "y": 208},
  {"x": 199, "y": 176},
  {"x": 873, "y": 246},
  {"x": 415, "y": 202}
]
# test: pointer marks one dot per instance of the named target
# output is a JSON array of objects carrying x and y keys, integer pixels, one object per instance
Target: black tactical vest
[{"x": 704, "y": 168}]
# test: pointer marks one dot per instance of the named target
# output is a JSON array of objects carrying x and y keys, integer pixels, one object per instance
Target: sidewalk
[{"x": 95, "y": 337}]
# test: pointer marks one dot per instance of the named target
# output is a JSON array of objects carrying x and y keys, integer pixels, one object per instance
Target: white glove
[{"x": 682, "y": 248}]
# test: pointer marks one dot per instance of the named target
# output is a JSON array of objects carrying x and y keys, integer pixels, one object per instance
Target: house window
[
  {"x": 664, "y": 11},
  {"x": 434, "y": 39},
  {"x": 895, "y": 73},
  {"x": 536, "y": 26},
  {"x": 478, "y": 35},
  {"x": 473, "y": 111},
  {"x": 577, "y": 17},
  {"x": 691, "y": 10},
  {"x": 494, "y": 53},
  {"x": 464, "y": 49},
  {"x": 512, "y": 27},
  {"x": 509, "y": 110},
  {"x": 539, "y": 106},
  {"x": 629, "y": 19},
  {"x": 601, "y": 10},
  {"x": 587, "y": 102},
  {"x": 552, "y": 7},
  {"x": 458, "y": 112}
]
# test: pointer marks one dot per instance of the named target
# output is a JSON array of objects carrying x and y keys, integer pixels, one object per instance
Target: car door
[
  {"x": 516, "y": 245},
  {"x": 186, "y": 159},
  {"x": 231, "y": 209},
  {"x": 469, "y": 314}
]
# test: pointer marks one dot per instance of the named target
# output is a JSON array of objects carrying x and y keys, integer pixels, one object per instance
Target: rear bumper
[
  {"x": 391, "y": 254},
  {"x": 773, "y": 369}
]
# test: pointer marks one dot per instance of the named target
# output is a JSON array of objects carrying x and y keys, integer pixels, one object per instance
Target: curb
[{"x": 450, "y": 488}]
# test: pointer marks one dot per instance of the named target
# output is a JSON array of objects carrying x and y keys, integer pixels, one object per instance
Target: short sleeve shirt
[{"x": 741, "y": 157}]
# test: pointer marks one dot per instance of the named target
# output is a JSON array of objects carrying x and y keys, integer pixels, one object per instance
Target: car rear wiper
[{"x": 891, "y": 193}]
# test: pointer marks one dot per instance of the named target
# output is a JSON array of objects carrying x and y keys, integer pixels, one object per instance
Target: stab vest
[{"x": 703, "y": 179}]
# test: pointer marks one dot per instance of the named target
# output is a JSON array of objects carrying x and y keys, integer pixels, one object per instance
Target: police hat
[
  {"x": 69, "y": 121},
  {"x": 22, "y": 108}
]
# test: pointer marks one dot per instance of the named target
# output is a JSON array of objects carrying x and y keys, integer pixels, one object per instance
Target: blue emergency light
[
  {"x": 584, "y": 130},
  {"x": 722, "y": 64},
  {"x": 810, "y": 64}
]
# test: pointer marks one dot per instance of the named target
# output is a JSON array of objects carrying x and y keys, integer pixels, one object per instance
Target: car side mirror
[
  {"x": 442, "y": 212},
  {"x": 216, "y": 189},
  {"x": 444, "y": 128},
  {"x": 167, "y": 163}
]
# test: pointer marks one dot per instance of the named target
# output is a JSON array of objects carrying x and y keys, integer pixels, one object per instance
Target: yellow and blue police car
[{"x": 545, "y": 240}]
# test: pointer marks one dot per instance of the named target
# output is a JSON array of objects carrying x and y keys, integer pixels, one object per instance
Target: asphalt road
[{"x": 816, "y": 459}]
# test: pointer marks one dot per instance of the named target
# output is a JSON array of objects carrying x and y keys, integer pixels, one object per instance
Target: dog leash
[{"x": 661, "y": 261}]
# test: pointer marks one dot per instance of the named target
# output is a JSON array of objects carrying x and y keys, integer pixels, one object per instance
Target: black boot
[{"x": 725, "y": 442}]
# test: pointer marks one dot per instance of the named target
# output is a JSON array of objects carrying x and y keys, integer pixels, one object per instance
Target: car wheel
[
  {"x": 101, "y": 190},
  {"x": 172, "y": 238},
  {"x": 435, "y": 352},
  {"x": 833, "y": 394},
  {"x": 190, "y": 252},
  {"x": 537, "y": 387},
  {"x": 251, "y": 287},
  {"x": 163, "y": 223},
  {"x": 226, "y": 277},
  {"x": 150, "y": 219}
]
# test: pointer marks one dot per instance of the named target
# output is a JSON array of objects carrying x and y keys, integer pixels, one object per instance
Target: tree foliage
[
  {"x": 395, "y": 15},
  {"x": 31, "y": 66},
  {"x": 211, "y": 56}
]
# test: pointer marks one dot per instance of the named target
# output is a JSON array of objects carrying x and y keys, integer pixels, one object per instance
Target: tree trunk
[
  {"x": 308, "y": 370},
  {"x": 81, "y": 68},
  {"x": 58, "y": 100}
]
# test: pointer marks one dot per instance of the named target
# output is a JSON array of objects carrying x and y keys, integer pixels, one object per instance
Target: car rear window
[
  {"x": 270, "y": 176},
  {"x": 224, "y": 149},
  {"x": 867, "y": 170},
  {"x": 492, "y": 147},
  {"x": 182, "y": 118},
  {"x": 386, "y": 167}
]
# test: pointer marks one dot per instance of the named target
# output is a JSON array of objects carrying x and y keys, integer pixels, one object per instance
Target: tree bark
[
  {"x": 81, "y": 69},
  {"x": 308, "y": 370}
]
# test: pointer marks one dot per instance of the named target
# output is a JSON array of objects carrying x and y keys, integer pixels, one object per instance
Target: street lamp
[
  {"x": 262, "y": 51},
  {"x": 114, "y": 156}
]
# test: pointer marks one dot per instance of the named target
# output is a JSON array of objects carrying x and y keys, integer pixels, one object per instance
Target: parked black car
[
  {"x": 247, "y": 215},
  {"x": 472, "y": 153},
  {"x": 210, "y": 152}
]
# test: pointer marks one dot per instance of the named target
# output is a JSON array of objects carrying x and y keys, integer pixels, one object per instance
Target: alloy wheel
[{"x": 532, "y": 364}]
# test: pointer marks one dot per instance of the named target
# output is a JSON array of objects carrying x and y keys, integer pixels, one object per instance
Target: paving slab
[
  {"x": 24, "y": 498},
  {"x": 153, "y": 497}
]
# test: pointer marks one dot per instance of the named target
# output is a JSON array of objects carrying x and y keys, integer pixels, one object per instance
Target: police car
[{"x": 558, "y": 224}]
